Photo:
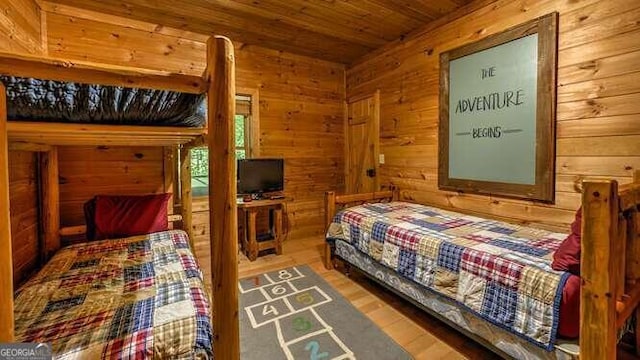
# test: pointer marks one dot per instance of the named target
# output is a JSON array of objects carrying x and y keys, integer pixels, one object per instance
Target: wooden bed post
[
  {"x": 185, "y": 195},
  {"x": 329, "y": 212},
  {"x": 599, "y": 259},
  {"x": 6, "y": 260},
  {"x": 50, "y": 204},
  {"x": 396, "y": 193},
  {"x": 220, "y": 74}
]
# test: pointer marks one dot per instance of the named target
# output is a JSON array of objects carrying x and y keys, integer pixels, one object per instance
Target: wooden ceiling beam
[
  {"x": 151, "y": 27},
  {"x": 338, "y": 31},
  {"x": 86, "y": 72},
  {"x": 290, "y": 13},
  {"x": 382, "y": 22},
  {"x": 407, "y": 8},
  {"x": 242, "y": 27},
  {"x": 450, "y": 17}
]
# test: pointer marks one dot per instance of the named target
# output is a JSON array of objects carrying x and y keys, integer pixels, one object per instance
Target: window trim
[
  {"x": 252, "y": 127},
  {"x": 254, "y": 120}
]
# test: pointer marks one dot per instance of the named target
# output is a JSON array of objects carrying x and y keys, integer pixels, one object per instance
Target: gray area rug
[{"x": 294, "y": 314}]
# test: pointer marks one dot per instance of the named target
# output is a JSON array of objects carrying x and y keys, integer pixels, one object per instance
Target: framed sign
[{"x": 497, "y": 113}]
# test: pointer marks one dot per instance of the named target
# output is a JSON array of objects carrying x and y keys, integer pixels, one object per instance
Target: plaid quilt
[
  {"x": 501, "y": 272},
  {"x": 134, "y": 298}
]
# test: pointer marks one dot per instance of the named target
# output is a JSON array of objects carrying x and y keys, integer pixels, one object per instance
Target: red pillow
[
  {"x": 123, "y": 216},
  {"x": 567, "y": 257}
]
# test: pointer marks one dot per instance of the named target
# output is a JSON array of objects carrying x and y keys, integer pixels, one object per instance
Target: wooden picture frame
[{"x": 539, "y": 121}]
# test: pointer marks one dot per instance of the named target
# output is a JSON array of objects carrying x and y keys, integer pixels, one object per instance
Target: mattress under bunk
[
  {"x": 138, "y": 297},
  {"x": 31, "y": 99},
  {"x": 490, "y": 278}
]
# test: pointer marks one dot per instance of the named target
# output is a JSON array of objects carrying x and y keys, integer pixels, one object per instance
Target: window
[{"x": 246, "y": 131}]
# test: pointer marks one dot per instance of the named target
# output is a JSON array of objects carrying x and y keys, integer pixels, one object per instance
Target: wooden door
[{"x": 362, "y": 144}]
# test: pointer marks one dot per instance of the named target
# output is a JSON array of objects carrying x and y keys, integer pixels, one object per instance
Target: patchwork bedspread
[
  {"x": 139, "y": 297},
  {"x": 501, "y": 272}
]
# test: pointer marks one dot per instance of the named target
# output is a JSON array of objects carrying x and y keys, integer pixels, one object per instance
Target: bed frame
[
  {"x": 218, "y": 82},
  {"x": 610, "y": 259}
]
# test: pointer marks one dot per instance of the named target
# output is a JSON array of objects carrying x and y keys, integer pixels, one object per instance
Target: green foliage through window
[{"x": 200, "y": 158}]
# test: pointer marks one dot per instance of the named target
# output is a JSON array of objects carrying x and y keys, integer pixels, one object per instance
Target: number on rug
[
  {"x": 278, "y": 290},
  {"x": 305, "y": 298},
  {"x": 314, "y": 347},
  {"x": 284, "y": 275},
  {"x": 301, "y": 324},
  {"x": 269, "y": 309}
]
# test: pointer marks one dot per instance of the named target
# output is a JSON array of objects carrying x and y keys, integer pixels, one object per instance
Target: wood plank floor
[{"x": 423, "y": 336}]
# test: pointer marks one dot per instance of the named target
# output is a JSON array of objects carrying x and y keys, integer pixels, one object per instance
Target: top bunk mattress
[
  {"x": 31, "y": 99},
  {"x": 132, "y": 298},
  {"x": 499, "y": 271}
]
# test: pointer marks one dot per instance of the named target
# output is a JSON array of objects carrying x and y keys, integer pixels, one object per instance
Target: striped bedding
[
  {"x": 501, "y": 272},
  {"x": 139, "y": 297}
]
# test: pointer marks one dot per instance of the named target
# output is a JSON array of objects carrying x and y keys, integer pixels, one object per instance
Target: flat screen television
[{"x": 257, "y": 176}]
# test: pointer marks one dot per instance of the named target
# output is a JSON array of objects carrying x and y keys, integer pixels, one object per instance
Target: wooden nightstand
[{"x": 247, "y": 213}]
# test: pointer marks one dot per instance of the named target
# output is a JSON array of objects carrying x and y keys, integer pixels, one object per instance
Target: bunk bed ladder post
[
  {"x": 185, "y": 195},
  {"x": 598, "y": 270},
  {"x": 6, "y": 259},
  {"x": 329, "y": 212},
  {"x": 50, "y": 203},
  {"x": 220, "y": 74}
]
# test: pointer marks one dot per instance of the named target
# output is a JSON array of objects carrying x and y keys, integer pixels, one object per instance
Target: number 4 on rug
[
  {"x": 314, "y": 347},
  {"x": 269, "y": 309}
]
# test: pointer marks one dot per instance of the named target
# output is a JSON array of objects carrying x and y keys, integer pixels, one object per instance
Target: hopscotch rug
[{"x": 294, "y": 314}]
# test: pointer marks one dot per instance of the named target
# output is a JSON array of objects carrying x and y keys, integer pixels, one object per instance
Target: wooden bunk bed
[
  {"x": 610, "y": 260},
  {"x": 218, "y": 83}
]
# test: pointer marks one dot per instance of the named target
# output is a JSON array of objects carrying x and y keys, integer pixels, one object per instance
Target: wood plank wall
[
  {"x": 301, "y": 98},
  {"x": 301, "y": 119},
  {"x": 20, "y": 26},
  {"x": 86, "y": 171},
  {"x": 301, "y": 110},
  {"x": 598, "y": 101},
  {"x": 23, "y": 199}
]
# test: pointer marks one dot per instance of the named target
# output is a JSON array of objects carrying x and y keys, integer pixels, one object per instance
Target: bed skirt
[{"x": 498, "y": 340}]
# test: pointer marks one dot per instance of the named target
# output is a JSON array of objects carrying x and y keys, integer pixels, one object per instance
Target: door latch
[{"x": 371, "y": 172}]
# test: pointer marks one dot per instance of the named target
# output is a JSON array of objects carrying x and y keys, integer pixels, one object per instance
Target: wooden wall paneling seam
[
  {"x": 222, "y": 196},
  {"x": 6, "y": 268},
  {"x": 375, "y": 128}
]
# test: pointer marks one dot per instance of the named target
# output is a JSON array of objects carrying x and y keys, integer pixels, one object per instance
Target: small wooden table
[{"x": 248, "y": 235}]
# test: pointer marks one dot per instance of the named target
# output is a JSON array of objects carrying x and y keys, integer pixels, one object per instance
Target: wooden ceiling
[{"x": 336, "y": 30}]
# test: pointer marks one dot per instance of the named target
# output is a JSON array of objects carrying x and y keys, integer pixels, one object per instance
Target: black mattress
[{"x": 31, "y": 99}]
